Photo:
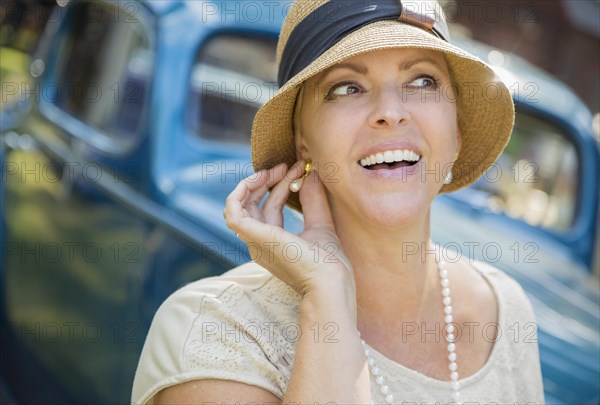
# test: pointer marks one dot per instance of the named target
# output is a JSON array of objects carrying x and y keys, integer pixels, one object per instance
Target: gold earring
[
  {"x": 296, "y": 185},
  {"x": 307, "y": 168}
]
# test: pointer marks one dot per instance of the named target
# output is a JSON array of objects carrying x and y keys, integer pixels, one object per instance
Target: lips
[{"x": 390, "y": 159}]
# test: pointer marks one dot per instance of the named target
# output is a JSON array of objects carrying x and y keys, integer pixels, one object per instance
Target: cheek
[
  {"x": 329, "y": 132},
  {"x": 439, "y": 124}
]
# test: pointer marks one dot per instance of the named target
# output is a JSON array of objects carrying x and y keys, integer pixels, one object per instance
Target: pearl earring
[
  {"x": 296, "y": 185},
  {"x": 448, "y": 178}
]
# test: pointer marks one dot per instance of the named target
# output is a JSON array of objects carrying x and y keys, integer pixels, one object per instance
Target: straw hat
[{"x": 317, "y": 34}]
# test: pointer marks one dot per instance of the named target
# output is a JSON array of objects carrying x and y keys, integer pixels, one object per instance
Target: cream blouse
[{"x": 243, "y": 326}]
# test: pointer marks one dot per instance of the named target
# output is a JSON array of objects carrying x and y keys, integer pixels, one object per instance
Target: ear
[
  {"x": 300, "y": 143},
  {"x": 299, "y": 139}
]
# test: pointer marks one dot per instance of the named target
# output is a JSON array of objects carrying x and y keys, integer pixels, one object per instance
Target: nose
[{"x": 389, "y": 110}]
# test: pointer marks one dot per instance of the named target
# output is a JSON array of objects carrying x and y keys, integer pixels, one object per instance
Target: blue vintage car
[{"x": 113, "y": 188}]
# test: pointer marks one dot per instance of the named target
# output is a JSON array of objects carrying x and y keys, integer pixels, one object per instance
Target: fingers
[
  {"x": 315, "y": 205},
  {"x": 250, "y": 191},
  {"x": 272, "y": 208},
  {"x": 244, "y": 201},
  {"x": 271, "y": 177},
  {"x": 234, "y": 204},
  {"x": 261, "y": 228}
]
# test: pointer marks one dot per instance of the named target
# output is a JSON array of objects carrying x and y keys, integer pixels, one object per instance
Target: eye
[
  {"x": 424, "y": 82},
  {"x": 342, "y": 89}
]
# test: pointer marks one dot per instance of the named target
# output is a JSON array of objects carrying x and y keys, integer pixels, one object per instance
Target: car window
[
  {"x": 232, "y": 77},
  {"x": 536, "y": 178},
  {"x": 104, "y": 68},
  {"x": 13, "y": 78}
]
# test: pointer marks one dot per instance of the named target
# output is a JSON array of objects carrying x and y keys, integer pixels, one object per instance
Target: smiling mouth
[{"x": 390, "y": 160}]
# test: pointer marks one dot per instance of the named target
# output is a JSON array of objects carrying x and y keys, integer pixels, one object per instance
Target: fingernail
[{"x": 256, "y": 176}]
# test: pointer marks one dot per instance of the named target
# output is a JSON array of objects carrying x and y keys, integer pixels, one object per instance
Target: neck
[{"x": 394, "y": 268}]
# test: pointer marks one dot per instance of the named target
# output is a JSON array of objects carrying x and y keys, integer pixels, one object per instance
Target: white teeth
[{"x": 390, "y": 156}]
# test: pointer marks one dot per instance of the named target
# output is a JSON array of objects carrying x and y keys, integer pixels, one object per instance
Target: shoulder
[
  {"x": 249, "y": 276},
  {"x": 509, "y": 291},
  {"x": 248, "y": 290},
  {"x": 221, "y": 327},
  {"x": 489, "y": 293},
  {"x": 488, "y": 276},
  {"x": 516, "y": 321},
  {"x": 516, "y": 348}
]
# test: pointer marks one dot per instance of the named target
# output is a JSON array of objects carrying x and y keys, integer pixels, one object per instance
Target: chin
[{"x": 396, "y": 210}]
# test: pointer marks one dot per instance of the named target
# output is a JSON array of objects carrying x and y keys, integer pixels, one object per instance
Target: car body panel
[{"x": 536, "y": 92}]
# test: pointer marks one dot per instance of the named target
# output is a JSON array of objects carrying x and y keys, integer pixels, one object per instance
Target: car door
[{"x": 87, "y": 255}]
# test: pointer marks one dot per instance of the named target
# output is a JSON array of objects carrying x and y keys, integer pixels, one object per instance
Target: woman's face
[{"x": 392, "y": 104}]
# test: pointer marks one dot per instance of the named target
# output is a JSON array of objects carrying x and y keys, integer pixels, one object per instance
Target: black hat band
[{"x": 334, "y": 20}]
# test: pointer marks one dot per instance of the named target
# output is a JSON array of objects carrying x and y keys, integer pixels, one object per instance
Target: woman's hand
[{"x": 306, "y": 262}]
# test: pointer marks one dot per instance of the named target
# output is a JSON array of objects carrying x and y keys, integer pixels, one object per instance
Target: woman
[{"x": 375, "y": 116}]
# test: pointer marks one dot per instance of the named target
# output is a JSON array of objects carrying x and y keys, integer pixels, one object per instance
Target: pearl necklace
[{"x": 374, "y": 369}]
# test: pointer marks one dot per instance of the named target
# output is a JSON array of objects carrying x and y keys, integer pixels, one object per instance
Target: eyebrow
[
  {"x": 358, "y": 68},
  {"x": 362, "y": 69},
  {"x": 408, "y": 64}
]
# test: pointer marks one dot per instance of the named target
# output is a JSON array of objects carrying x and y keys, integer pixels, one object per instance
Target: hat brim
[{"x": 486, "y": 108}]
